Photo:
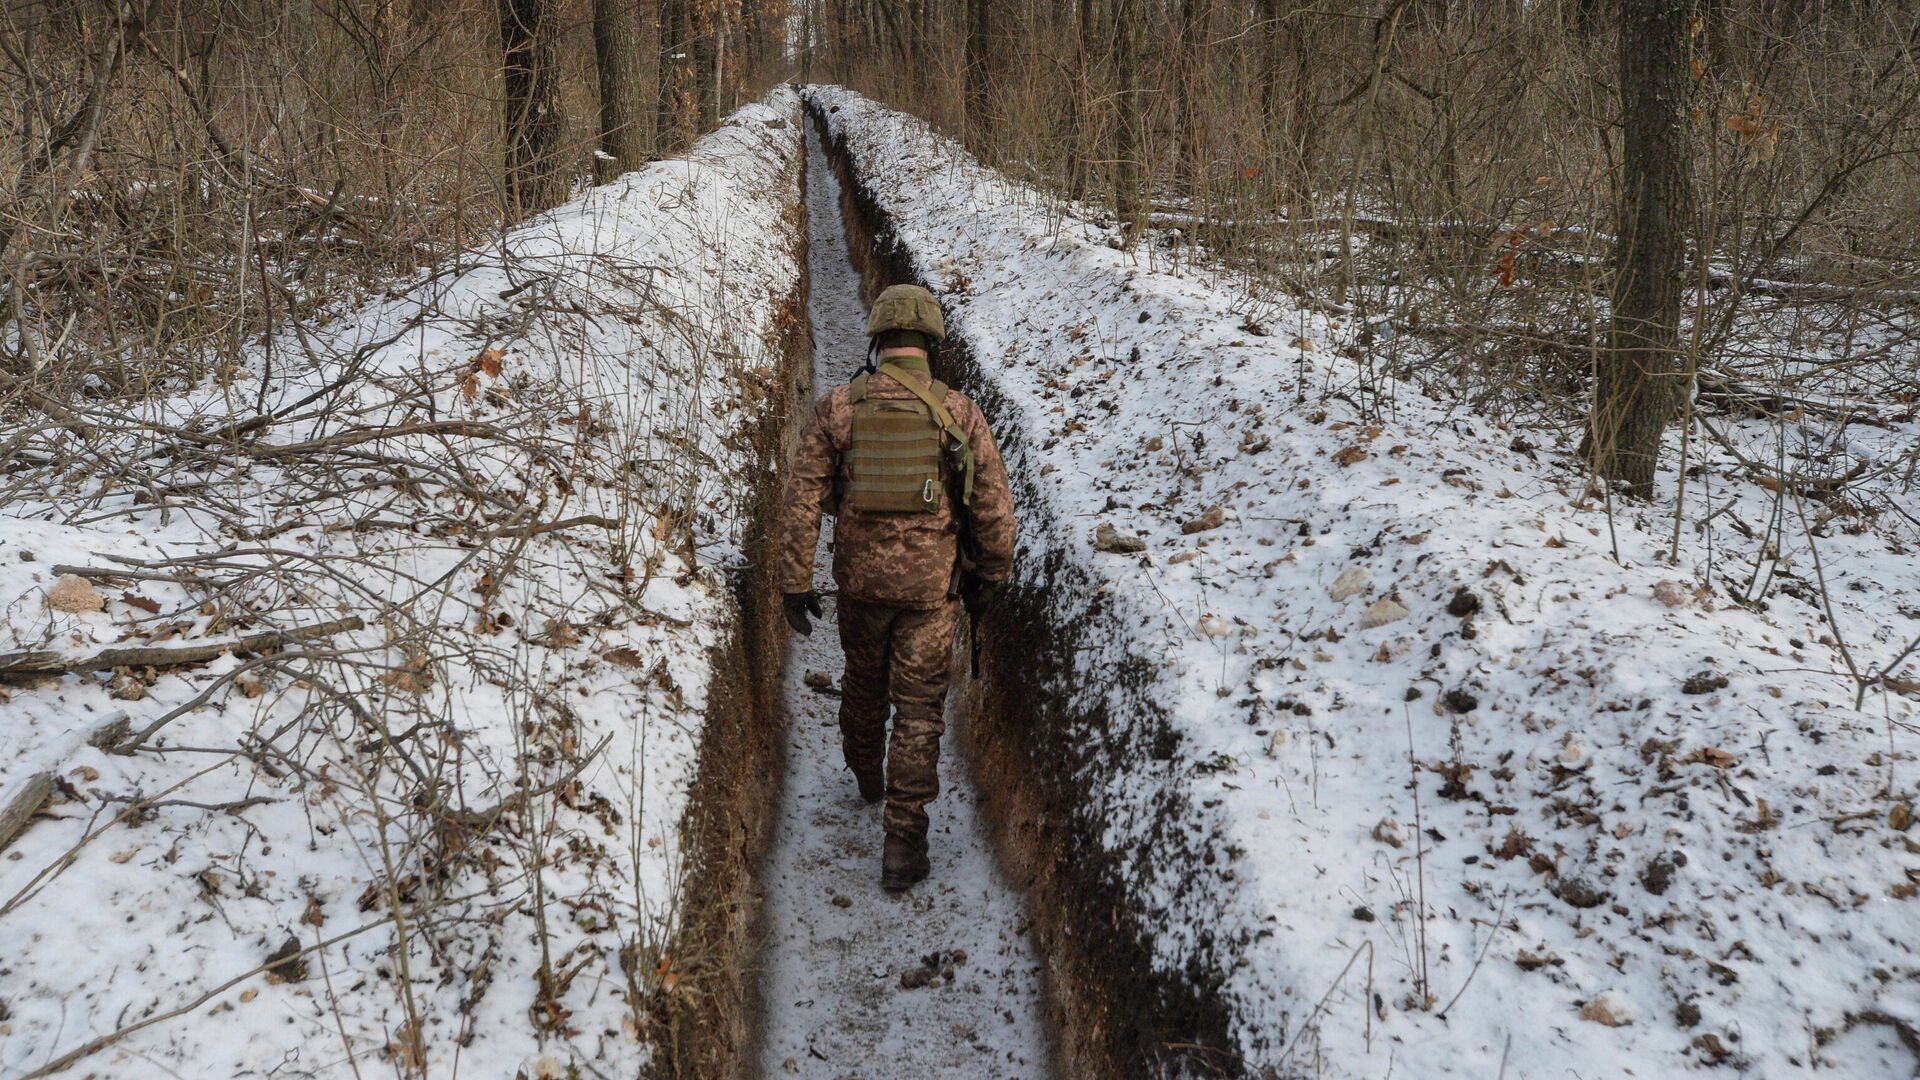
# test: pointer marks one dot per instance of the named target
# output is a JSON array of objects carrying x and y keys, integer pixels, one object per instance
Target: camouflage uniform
[{"x": 896, "y": 577}]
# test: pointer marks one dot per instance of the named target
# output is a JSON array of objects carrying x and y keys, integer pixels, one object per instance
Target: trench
[
  {"x": 1035, "y": 755},
  {"x": 943, "y": 980}
]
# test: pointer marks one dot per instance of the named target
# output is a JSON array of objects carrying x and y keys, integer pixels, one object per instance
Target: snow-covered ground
[
  {"x": 941, "y": 981},
  {"x": 1469, "y": 779},
  {"x": 458, "y": 827}
]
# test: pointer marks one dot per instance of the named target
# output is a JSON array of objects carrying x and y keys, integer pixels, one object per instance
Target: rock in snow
[
  {"x": 1351, "y": 582},
  {"x": 1108, "y": 538},
  {"x": 1381, "y": 612}
]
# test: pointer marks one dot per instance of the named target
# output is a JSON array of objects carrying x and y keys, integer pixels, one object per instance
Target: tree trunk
[
  {"x": 1081, "y": 103},
  {"x": 623, "y": 93},
  {"x": 1189, "y": 108},
  {"x": 806, "y": 40},
  {"x": 674, "y": 75},
  {"x": 1129, "y": 129},
  {"x": 1271, "y": 25},
  {"x": 535, "y": 176},
  {"x": 979, "y": 31},
  {"x": 911, "y": 51},
  {"x": 703, "y": 42},
  {"x": 1640, "y": 382},
  {"x": 1300, "y": 124}
]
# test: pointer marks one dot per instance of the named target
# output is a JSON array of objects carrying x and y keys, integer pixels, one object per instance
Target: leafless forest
[
  {"x": 1631, "y": 233},
  {"x": 1464, "y": 176}
]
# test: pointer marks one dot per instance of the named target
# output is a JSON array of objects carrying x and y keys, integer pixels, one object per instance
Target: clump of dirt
[{"x": 936, "y": 969}]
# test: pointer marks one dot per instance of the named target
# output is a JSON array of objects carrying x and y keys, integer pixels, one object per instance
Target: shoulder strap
[
  {"x": 934, "y": 402},
  {"x": 859, "y": 387}
]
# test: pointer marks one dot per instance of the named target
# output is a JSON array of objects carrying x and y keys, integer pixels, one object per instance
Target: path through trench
[{"x": 941, "y": 981}]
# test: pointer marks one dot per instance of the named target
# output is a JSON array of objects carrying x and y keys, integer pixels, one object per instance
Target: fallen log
[
  {"x": 1719, "y": 388},
  {"x": 37, "y": 662},
  {"x": 20, "y": 804}
]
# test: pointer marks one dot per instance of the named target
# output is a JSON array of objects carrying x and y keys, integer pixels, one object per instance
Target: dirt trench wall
[
  {"x": 1037, "y": 757},
  {"x": 704, "y": 1026}
]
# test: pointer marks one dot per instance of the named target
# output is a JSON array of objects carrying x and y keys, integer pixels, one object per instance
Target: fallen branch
[
  {"x": 594, "y": 520},
  {"x": 46, "y": 662},
  {"x": 21, "y": 804},
  {"x": 1722, "y": 389},
  {"x": 1777, "y": 479}
]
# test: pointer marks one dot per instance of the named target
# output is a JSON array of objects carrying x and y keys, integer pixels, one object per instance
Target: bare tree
[
  {"x": 50, "y": 170},
  {"x": 1190, "y": 73},
  {"x": 1639, "y": 382},
  {"x": 979, "y": 42},
  {"x": 1128, "y": 195},
  {"x": 529, "y": 52},
  {"x": 686, "y": 58}
]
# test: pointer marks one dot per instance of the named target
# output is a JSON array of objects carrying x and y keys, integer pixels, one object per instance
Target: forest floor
[{"x": 859, "y": 983}]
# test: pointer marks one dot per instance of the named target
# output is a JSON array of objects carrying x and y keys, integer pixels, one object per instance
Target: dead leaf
[
  {"x": 1606, "y": 1009},
  {"x": 1352, "y": 455},
  {"x": 1527, "y": 961},
  {"x": 151, "y": 607},
  {"x": 1212, "y": 519},
  {"x": 1714, "y": 756},
  {"x": 489, "y": 360},
  {"x": 1388, "y": 832},
  {"x": 1672, "y": 593}
]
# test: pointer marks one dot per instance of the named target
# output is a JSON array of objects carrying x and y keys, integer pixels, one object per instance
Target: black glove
[
  {"x": 977, "y": 594},
  {"x": 797, "y": 605}
]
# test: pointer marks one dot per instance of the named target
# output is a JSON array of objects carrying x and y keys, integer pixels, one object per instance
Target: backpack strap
[
  {"x": 859, "y": 387},
  {"x": 935, "y": 400}
]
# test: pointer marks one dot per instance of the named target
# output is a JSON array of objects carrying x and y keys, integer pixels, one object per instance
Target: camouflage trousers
[{"x": 898, "y": 656}]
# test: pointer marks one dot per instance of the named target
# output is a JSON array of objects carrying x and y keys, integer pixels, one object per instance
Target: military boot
[
  {"x": 902, "y": 863},
  {"x": 873, "y": 785}
]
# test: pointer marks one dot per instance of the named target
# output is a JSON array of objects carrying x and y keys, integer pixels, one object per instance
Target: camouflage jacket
[{"x": 903, "y": 559}]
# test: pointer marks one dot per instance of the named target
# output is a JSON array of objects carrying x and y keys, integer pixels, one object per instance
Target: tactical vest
[{"x": 903, "y": 451}]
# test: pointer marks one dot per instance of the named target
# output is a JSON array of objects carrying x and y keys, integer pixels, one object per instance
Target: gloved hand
[
  {"x": 798, "y": 605},
  {"x": 977, "y": 594}
]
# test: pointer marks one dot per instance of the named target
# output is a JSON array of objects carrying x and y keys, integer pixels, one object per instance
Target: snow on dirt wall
[
  {"x": 507, "y": 505},
  {"x": 1658, "y": 827}
]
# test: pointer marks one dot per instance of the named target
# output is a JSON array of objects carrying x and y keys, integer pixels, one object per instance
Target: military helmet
[{"x": 907, "y": 307}]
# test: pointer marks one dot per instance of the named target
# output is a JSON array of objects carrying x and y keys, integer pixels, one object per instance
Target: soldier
[{"x": 923, "y": 527}]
